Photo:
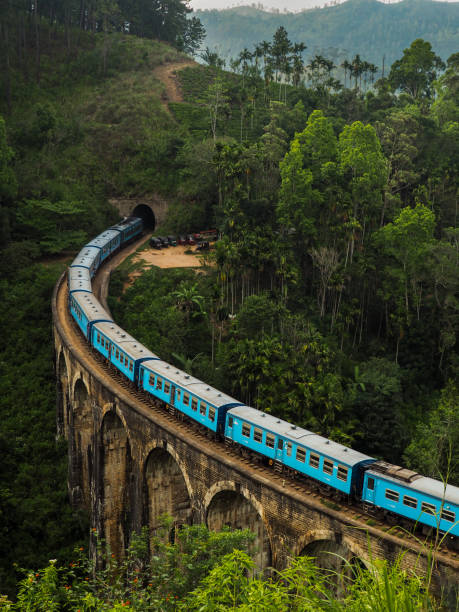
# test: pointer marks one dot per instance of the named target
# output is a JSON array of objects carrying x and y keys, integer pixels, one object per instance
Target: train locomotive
[{"x": 398, "y": 493}]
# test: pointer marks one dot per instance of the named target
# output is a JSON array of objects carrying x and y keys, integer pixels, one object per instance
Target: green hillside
[{"x": 367, "y": 27}]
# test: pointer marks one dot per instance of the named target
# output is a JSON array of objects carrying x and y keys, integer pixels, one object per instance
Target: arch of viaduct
[{"x": 129, "y": 464}]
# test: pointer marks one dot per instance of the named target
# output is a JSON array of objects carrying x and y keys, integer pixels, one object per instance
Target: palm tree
[
  {"x": 347, "y": 67},
  {"x": 188, "y": 300}
]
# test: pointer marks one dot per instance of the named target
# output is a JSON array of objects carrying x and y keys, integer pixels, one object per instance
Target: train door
[
  {"x": 172, "y": 395},
  {"x": 370, "y": 485},
  {"x": 279, "y": 449}
]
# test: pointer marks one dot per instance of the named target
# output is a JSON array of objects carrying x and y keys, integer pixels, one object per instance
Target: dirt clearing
[{"x": 172, "y": 257}]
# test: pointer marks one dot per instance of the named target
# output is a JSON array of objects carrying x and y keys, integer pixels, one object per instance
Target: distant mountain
[{"x": 367, "y": 27}]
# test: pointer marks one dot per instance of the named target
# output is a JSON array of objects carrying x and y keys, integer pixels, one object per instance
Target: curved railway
[{"x": 347, "y": 513}]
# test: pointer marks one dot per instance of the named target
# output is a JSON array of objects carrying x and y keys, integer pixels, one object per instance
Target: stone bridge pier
[{"x": 130, "y": 463}]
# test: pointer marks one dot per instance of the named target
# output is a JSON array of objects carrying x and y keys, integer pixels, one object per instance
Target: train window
[
  {"x": 151, "y": 380},
  {"x": 447, "y": 515},
  {"x": 300, "y": 454},
  {"x": 289, "y": 449},
  {"x": 177, "y": 393},
  {"x": 98, "y": 338},
  {"x": 280, "y": 443},
  {"x": 203, "y": 408},
  {"x": 257, "y": 435},
  {"x": 117, "y": 354},
  {"x": 371, "y": 484},
  {"x": 230, "y": 421},
  {"x": 194, "y": 403},
  {"x": 342, "y": 472},
  {"x": 314, "y": 460},
  {"x": 428, "y": 508},
  {"x": 167, "y": 387},
  {"x": 270, "y": 439},
  {"x": 328, "y": 466},
  {"x": 392, "y": 495},
  {"x": 411, "y": 502},
  {"x": 211, "y": 414},
  {"x": 159, "y": 382},
  {"x": 131, "y": 365},
  {"x": 186, "y": 399},
  {"x": 246, "y": 430}
]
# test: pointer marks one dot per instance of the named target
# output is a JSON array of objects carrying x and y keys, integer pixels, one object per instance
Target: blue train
[{"x": 405, "y": 496}]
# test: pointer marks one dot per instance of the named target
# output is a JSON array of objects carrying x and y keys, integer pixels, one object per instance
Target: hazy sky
[
  {"x": 292, "y": 5},
  {"x": 279, "y": 4}
]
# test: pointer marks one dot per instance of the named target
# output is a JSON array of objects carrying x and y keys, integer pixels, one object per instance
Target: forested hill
[{"x": 367, "y": 27}]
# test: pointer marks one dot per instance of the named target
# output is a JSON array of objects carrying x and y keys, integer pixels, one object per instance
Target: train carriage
[
  {"x": 88, "y": 258},
  {"x": 108, "y": 242},
  {"x": 189, "y": 395},
  {"x": 87, "y": 310},
  {"x": 424, "y": 500},
  {"x": 129, "y": 228},
  {"x": 121, "y": 349},
  {"x": 300, "y": 450},
  {"x": 79, "y": 279}
]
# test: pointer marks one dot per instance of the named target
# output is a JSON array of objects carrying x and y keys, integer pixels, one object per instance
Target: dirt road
[{"x": 167, "y": 74}]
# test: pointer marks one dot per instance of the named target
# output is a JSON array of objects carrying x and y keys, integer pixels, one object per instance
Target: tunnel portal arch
[{"x": 146, "y": 214}]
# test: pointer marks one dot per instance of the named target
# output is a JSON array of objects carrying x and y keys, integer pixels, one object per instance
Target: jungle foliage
[
  {"x": 331, "y": 298},
  {"x": 212, "y": 572}
]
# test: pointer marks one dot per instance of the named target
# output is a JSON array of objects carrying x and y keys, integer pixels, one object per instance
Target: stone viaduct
[{"x": 130, "y": 462}]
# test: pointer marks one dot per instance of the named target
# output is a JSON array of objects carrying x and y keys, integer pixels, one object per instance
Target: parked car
[
  {"x": 172, "y": 240},
  {"x": 209, "y": 234},
  {"x": 155, "y": 243},
  {"x": 203, "y": 246},
  {"x": 164, "y": 241},
  {"x": 190, "y": 239},
  {"x": 181, "y": 240}
]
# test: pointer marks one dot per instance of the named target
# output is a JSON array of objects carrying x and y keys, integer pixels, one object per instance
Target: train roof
[
  {"x": 415, "y": 482},
  {"x": 91, "y": 306},
  {"x": 127, "y": 343},
  {"x": 301, "y": 436},
  {"x": 127, "y": 222},
  {"x": 79, "y": 279},
  {"x": 191, "y": 384},
  {"x": 85, "y": 257},
  {"x": 101, "y": 240}
]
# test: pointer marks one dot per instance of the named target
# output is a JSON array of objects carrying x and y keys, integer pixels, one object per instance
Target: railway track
[{"x": 351, "y": 514}]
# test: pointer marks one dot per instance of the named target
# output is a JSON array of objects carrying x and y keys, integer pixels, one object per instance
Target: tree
[
  {"x": 216, "y": 101},
  {"x": 190, "y": 39},
  {"x": 212, "y": 58},
  {"x": 188, "y": 299},
  {"x": 8, "y": 181},
  {"x": 416, "y": 71},
  {"x": 364, "y": 170},
  {"x": 407, "y": 242},
  {"x": 434, "y": 450}
]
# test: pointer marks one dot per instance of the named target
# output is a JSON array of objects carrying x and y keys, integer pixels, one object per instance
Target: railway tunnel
[
  {"x": 152, "y": 209},
  {"x": 147, "y": 215}
]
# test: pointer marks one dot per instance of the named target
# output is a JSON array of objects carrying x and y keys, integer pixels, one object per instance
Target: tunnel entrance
[{"x": 146, "y": 214}]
